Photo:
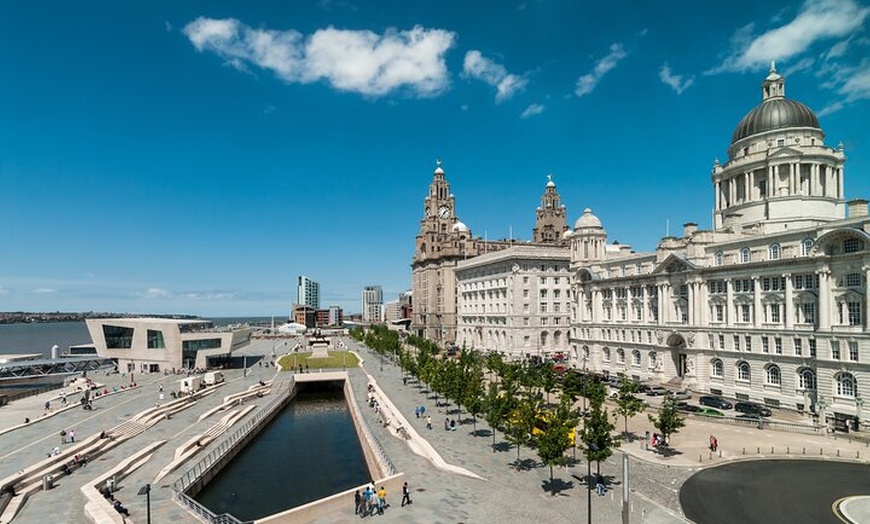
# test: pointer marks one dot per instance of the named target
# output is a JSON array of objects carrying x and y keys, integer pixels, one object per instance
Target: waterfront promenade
[{"x": 504, "y": 494}]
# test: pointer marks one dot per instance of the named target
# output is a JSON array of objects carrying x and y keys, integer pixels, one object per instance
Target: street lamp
[
  {"x": 859, "y": 403},
  {"x": 146, "y": 490},
  {"x": 591, "y": 448}
]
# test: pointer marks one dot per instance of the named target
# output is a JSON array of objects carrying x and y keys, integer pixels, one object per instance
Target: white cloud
[
  {"x": 803, "y": 63},
  {"x": 155, "y": 292},
  {"x": 44, "y": 290},
  {"x": 817, "y": 20},
  {"x": 532, "y": 110},
  {"x": 479, "y": 67},
  {"x": 209, "y": 295},
  {"x": 586, "y": 83},
  {"x": 269, "y": 109},
  {"x": 356, "y": 61},
  {"x": 676, "y": 82}
]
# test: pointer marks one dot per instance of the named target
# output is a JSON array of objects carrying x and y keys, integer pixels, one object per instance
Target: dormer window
[
  {"x": 774, "y": 252},
  {"x": 806, "y": 246},
  {"x": 744, "y": 255},
  {"x": 719, "y": 258},
  {"x": 780, "y": 142}
]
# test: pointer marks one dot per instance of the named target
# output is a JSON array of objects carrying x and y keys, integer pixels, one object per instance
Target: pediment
[
  {"x": 784, "y": 152},
  {"x": 674, "y": 263}
]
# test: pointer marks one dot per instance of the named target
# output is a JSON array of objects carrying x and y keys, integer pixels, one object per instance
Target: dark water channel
[{"x": 309, "y": 451}]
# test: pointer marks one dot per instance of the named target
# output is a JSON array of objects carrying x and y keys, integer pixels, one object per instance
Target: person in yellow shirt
[{"x": 382, "y": 500}]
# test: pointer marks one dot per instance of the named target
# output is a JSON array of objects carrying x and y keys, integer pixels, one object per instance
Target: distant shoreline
[{"x": 26, "y": 317}]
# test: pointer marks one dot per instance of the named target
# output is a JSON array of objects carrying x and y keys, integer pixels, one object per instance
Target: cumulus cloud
[
  {"x": 155, "y": 292},
  {"x": 349, "y": 60},
  {"x": 506, "y": 84},
  {"x": 532, "y": 110},
  {"x": 817, "y": 20},
  {"x": 587, "y": 83},
  {"x": 676, "y": 82}
]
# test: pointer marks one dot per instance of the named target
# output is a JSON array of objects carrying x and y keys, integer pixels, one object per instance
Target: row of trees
[{"x": 530, "y": 404}]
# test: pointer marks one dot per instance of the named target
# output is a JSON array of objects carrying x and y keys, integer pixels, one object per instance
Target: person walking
[
  {"x": 406, "y": 494},
  {"x": 382, "y": 500},
  {"x": 599, "y": 486},
  {"x": 72, "y": 436},
  {"x": 63, "y": 436},
  {"x": 428, "y": 422},
  {"x": 357, "y": 499}
]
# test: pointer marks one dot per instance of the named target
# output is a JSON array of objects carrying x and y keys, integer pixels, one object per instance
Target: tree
[
  {"x": 627, "y": 404},
  {"x": 597, "y": 435},
  {"x": 554, "y": 439},
  {"x": 595, "y": 391},
  {"x": 497, "y": 407},
  {"x": 520, "y": 424},
  {"x": 669, "y": 420}
]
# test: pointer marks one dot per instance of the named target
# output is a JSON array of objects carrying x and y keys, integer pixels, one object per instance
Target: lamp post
[
  {"x": 146, "y": 490},
  {"x": 590, "y": 449},
  {"x": 859, "y": 403}
]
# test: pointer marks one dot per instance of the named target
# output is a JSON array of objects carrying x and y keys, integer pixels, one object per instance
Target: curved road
[{"x": 771, "y": 491}]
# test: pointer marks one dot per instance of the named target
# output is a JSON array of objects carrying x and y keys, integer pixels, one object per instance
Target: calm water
[
  {"x": 309, "y": 451},
  {"x": 38, "y": 338}
]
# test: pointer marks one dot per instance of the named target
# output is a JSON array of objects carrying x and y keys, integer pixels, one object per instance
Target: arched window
[
  {"x": 717, "y": 369},
  {"x": 620, "y": 356},
  {"x": 585, "y": 353},
  {"x": 635, "y": 358},
  {"x": 846, "y": 385},
  {"x": 544, "y": 339},
  {"x": 743, "y": 372},
  {"x": 774, "y": 252},
  {"x": 744, "y": 255},
  {"x": 806, "y": 246},
  {"x": 719, "y": 258},
  {"x": 653, "y": 359},
  {"x": 773, "y": 376},
  {"x": 605, "y": 354},
  {"x": 807, "y": 379}
]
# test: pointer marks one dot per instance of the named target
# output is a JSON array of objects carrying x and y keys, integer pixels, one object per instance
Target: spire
[{"x": 774, "y": 84}]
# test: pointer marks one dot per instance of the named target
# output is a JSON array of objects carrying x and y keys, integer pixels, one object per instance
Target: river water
[{"x": 309, "y": 451}]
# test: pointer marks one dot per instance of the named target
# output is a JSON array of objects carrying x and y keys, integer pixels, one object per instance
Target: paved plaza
[{"x": 439, "y": 496}]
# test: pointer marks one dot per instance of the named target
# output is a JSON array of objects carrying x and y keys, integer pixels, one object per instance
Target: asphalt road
[{"x": 772, "y": 491}]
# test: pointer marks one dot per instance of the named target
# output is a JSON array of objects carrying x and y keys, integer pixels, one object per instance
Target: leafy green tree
[
  {"x": 520, "y": 423},
  {"x": 669, "y": 420},
  {"x": 627, "y": 403},
  {"x": 555, "y": 439},
  {"x": 597, "y": 435},
  {"x": 498, "y": 406},
  {"x": 595, "y": 392}
]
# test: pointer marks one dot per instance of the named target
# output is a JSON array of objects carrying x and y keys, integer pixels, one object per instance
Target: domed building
[{"x": 769, "y": 306}]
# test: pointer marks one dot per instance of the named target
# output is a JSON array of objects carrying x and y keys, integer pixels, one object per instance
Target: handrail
[{"x": 200, "y": 468}]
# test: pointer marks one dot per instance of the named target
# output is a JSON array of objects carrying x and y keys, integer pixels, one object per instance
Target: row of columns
[{"x": 824, "y": 181}]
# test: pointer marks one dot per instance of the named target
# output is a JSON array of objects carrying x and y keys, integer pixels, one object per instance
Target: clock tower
[{"x": 550, "y": 221}]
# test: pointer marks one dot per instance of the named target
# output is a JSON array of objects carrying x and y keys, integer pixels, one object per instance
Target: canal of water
[{"x": 309, "y": 451}]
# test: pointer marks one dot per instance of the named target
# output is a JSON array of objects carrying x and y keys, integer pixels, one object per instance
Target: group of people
[
  {"x": 106, "y": 492},
  {"x": 71, "y": 436},
  {"x": 658, "y": 440},
  {"x": 449, "y": 424},
  {"x": 370, "y": 501}
]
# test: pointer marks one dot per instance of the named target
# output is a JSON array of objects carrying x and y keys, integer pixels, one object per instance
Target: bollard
[
  {"x": 757, "y": 450},
  {"x": 788, "y": 450},
  {"x": 805, "y": 450},
  {"x": 711, "y": 455},
  {"x": 821, "y": 450},
  {"x": 700, "y": 458},
  {"x": 720, "y": 453},
  {"x": 838, "y": 452},
  {"x": 744, "y": 451},
  {"x": 771, "y": 450}
]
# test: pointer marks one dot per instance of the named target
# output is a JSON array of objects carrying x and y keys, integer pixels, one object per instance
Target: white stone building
[
  {"x": 515, "y": 301},
  {"x": 771, "y": 305}
]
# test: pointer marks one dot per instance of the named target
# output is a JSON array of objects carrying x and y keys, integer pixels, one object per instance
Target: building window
[
  {"x": 543, "y": 321},
  {"x": 806, "y": 246},
  {"x": 736, "y": 343},
  {"x": 543, "y": 293},
  {"x": 774, "y": 252},
  {"x": 605, "y": 354},
  {"x": 622, "y": 313},
  {"x": 846, "y": 385},
  {"x": 853, "y": 280},
  {"x": 774, "y": 316},
  {"x": 765, "y": 345},
  {"x": 719, "y": 258},
  {"x": 744, "y": 373},
  {"x": 772, "y": 375},
  {"x": 853, "y": 350},
  {"x": 745, "y": 313},
  {"x": 807, "y": 312},
  {"x": 653, "y": 359},
  {"x": 717, "y": 369},
  {"x": 748, "y": 342},
  {"x": 807, "y": 379},
  {"x": 635, "y": 358},
  {"x": 155, "y": 339},
  {"x": 608, "y": 313},
  {"x": 543, "y": 307},
  {"x": 722, "y": 341},
  {"x": 525, "y": 293},
  {"x": 118, "y": 337},
  {"x": 853, "y": 309},
  {"x": 777, "y": 346},
  {"x": 851, "y": 245},
  {"x": 811, "y": 346},
  {"x": 798, "y": 349},
  {"x": 835, "y": 350},
  {"x": 719, "y": 312},
  {"x": 620, "y": 356},
  {"x": 744, "y": 255}
]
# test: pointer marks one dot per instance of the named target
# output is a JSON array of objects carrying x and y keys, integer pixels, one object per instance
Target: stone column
[
  {"x": 756, "y": 302},
  {"x": 718, "y": 197},
  {"x": 644, "y": 304},
  {"x": 824, "y": 300},
  {"x": 661, "y": 303},
  {"x": 788, "y": 312},
  {"x": 866, "y": 311},
  {"x": 730, "y": 314},
  {"x": 838, "y": 173}
]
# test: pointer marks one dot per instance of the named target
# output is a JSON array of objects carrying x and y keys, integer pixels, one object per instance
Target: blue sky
[{"x": 195, "y": 157}]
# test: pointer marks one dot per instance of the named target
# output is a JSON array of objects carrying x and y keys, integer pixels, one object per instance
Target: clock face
[{"x": 444, "y": 211}]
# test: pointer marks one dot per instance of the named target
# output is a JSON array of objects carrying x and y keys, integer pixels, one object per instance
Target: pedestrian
[
  {"x": 404, "y": 381},
  {"x": 429, "y": 422},
  {"x": 72, "y": 435},
  {"x": 599, "y": 486},
  {"x": 357, "y": 498},
  {"x": 406, "y": 494},
  {"x": 714, "y": 443},
  {"x": 382, "y": 500},
  {"x": 63, "y": 436},
  {"x": 63, "y": 398},
  {"x": 160, "y": 389},
  {"x": 446, "y": 424},
  {"x": 121, "y": 509},
  {"x": 417, "y": 412},
  {"x": 48, "y": 405}
]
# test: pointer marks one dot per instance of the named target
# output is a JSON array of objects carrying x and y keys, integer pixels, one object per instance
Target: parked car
[
  {"x": 688, "y": 408},
  {"x": 716, "y": 402},
  {"x": 655, "y": 391},
  {"x": 643, "y": 388},
  {"x": 750, "y": 408},
  {"x": 710, "y": 412},
  {"x": 679, "y": 395}
]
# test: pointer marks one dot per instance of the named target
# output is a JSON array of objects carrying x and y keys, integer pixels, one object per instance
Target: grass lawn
[{"x": 336, "y": 360}]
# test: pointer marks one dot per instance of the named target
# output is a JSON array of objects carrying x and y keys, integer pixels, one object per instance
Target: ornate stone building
[
  {"x": 444, "y": 241},
  {"x": 770, "y": 305}
]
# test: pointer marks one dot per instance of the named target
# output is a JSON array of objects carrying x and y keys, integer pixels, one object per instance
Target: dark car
[
  {"x": 751, "y": 408},
  {"x": 716, "y": 402},
  {"x": 655, "y": 391},
  {"x": 688, "y": 408}
]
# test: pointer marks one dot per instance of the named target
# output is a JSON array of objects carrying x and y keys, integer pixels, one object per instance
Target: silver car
[{"x": 679, "y": 395}]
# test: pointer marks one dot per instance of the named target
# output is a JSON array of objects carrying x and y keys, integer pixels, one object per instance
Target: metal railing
[{"x": 206, "y": 463}]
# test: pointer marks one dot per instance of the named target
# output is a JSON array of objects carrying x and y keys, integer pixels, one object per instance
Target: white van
[{"x": 213, "y": 377}]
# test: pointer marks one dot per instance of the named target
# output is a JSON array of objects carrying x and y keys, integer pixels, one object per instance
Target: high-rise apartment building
[
  {"x": 307, "y": 292},
  {"x": 373, "y": 304}
]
